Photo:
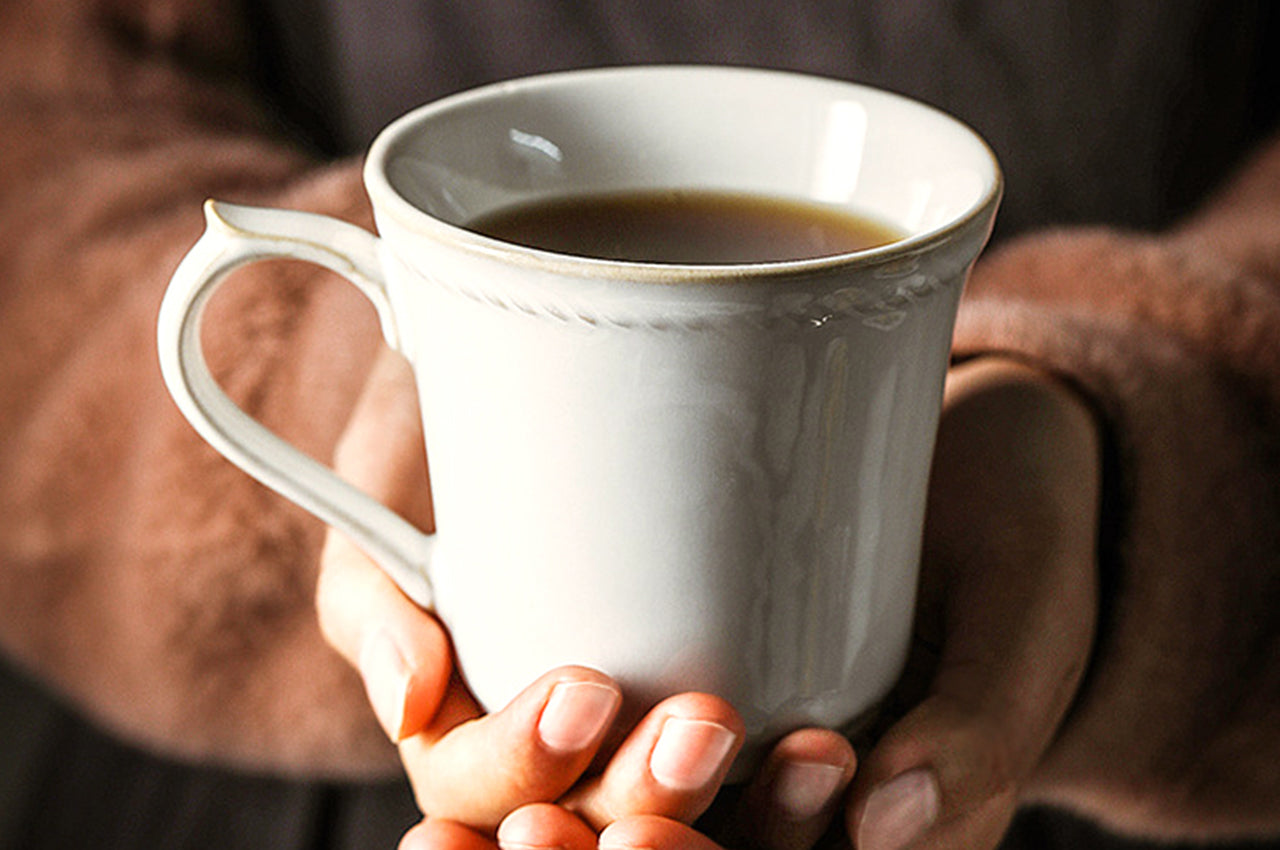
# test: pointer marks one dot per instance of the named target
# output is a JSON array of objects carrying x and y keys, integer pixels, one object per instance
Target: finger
[
  {"x": 671, "y": 764},
  {"x": 651, "y": 832},
  {"x": 533, "y": 750},
  {"x": 792, "y": 802},
  {"x": 401, "y": 651},
  {"x": 1017, "y": 616},
  {"x": 432, "y": 834},
  {"x": 545, "y": 825}
]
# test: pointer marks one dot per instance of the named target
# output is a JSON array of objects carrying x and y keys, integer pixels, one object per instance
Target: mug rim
[{"x": 387, "y": 200}]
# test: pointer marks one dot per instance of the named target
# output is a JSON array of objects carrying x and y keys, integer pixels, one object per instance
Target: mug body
[{"x": 690, "y": 477}]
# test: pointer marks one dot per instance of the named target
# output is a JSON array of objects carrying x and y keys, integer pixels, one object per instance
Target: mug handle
[{"x": 236, "y": 236}]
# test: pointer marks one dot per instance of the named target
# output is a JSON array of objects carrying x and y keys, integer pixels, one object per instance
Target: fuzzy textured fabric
[
  {"x": 170, "y": 597},
  {"x": 144, "y": 577}
]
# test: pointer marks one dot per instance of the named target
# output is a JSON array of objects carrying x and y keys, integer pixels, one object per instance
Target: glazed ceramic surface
[{"x": 690, "y": 477}]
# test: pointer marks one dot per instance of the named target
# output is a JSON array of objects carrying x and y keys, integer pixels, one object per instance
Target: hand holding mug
[
  {"x": 472, "y": 771},
  {"x": 1013, "y": 645}
]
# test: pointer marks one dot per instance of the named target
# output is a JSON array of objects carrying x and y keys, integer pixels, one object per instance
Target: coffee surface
[{"x": 685, "y": 227}]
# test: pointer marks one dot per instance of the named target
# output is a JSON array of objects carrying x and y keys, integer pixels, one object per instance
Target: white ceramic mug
[{"x": 691, "y": 477}]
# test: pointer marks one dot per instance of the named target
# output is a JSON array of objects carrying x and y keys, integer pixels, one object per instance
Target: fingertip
[
  {"x": 576, "y": 715},
  {"x": 405, "y": 673},
  {"x": 652, "y": 832},
  {"x": 544, "y": 825},
  {"x": 941, "y": 767},
  {"x": 697, "y": 738},
  {"x": 690, "y": 753},
  {"x": 793, "y": 800},
  {"x": 387, "y": 678},
  {"x": 671, "y": 764},
  {"x": 900, "y": 811},
  {"x": 569, "y": 711},
  {"x": 437, "y": 834},
  {"x": 401, "y": 651},
  {"x": 414, "y": 838},
  {"x": 430, "y": 658},
  {"x": 803, "y": 789},
  {"x": 815, "y": 745},
  {"x": 533, "y": 749}
]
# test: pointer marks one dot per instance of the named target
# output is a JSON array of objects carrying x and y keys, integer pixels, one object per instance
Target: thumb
[
  {"x": 942, "y": 772},
  {"x": 1008, "y": 595}
]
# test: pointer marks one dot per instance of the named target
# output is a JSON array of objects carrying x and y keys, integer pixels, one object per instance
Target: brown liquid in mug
[{"x": 685, "y": 227}]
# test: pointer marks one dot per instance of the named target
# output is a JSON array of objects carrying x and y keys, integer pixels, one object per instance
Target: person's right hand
[
  {"x": 463, "y": 764},
  {"x": 474, "y": 769}
]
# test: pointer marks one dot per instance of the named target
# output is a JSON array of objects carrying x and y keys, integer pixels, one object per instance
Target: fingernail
[
  {"x": 576, "y": 715},
  {"x": 617, "y": 836},
  {"x": 689, "y": 753},
  {"x": 521, "y": 831},
  {"x": 899, "y": 811},
  {"x": 386, "y": 679},
  {"x": 509, "y": 843},
  {"x": 801, "y": 789}
]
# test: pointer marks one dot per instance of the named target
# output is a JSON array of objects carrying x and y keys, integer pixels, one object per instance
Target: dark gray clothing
[{"x": 1120, "y": 113}]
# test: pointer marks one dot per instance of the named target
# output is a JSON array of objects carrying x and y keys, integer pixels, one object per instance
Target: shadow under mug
[{"x": 690, "y": 477}]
